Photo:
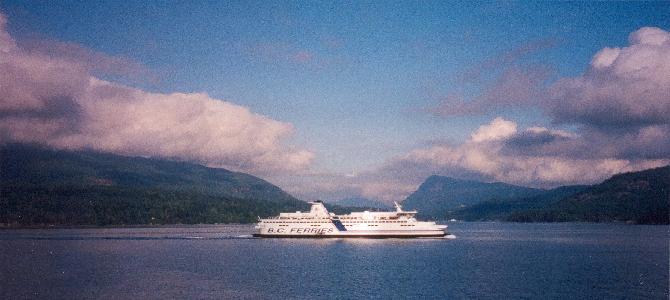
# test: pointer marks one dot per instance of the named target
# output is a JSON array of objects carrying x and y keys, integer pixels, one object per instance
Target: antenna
[{"x": 398, "y": 208}]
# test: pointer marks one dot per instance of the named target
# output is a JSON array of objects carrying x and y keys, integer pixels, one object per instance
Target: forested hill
[
  {"x": 638, "y": 197},
  {"x": 43, "y": 186},
  {"x": 438, "y": 195},
  {"x": 501, "y": 209}
]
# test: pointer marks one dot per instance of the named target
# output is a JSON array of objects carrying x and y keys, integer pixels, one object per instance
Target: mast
[{"x": 398, "y": 208}]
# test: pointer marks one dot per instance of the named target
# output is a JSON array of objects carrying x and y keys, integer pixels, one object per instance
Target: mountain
[
  {"x": 34, "y": 165},
  {"x": 501, "y": 209},
  {"x": 438, "y": 195},
  {"x": 638, "y": 197},
  {"x": 45, "y": 186},
  {"x": 360, "y": 202}
]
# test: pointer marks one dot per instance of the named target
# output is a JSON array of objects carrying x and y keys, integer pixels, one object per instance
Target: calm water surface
[{"x": 485, "y": 260}]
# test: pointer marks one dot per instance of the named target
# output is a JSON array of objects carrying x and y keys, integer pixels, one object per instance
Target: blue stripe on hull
[{"x": 338, "y": 224}]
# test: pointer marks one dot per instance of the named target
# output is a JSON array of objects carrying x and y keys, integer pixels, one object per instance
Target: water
[{"x": 485, "y": 260}]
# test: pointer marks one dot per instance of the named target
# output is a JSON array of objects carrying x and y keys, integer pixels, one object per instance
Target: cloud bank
[
  {"x": 55, "y": 101},
  {"x": 623, "y": 88},
  {"x": 620, "y": 107},
  {"x": 497, "y": 151}
]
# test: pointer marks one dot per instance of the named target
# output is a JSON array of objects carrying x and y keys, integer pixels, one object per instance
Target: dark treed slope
[
  {"x": 639, "y": 197},
  {"x": 33, "y": 165},
  {"x": 498, "y": 210},
  {"x": 44, "y": 186},
  {"x": 438, "y": 195}
]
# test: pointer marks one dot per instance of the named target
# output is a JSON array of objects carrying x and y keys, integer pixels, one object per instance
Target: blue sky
[{"x": 355, "y": 79}]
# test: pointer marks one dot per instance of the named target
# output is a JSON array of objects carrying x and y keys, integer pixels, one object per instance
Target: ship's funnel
[{"x": 318, "y": 209}]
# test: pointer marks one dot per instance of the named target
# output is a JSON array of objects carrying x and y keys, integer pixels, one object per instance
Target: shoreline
[{"x": 47, "y": 226}]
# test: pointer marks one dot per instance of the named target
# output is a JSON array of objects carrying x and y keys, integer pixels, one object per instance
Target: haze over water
[{"x": 485, "y": 260}]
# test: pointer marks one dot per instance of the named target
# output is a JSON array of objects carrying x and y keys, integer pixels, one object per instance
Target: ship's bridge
[
  {"x": 317, "y": 211},
  {"x": 398, "y": 214}
]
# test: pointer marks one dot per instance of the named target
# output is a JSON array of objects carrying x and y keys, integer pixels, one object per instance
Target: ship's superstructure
[{"x": 318, "y": 222}]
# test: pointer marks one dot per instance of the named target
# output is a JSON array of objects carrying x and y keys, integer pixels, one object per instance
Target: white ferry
[{"x": 319, "y": 223}]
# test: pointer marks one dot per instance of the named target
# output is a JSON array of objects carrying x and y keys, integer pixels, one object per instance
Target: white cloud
[
  {"x": 624, "y": 88},
  {"x": 650, "y": 36},
  {"x": 489, "y": 160},
  {"x": 498, "y": 129},
  {"x": 605, "y": 57},
  {"x": 55, "y": 101},
  {"x": 6, "y": 42}
]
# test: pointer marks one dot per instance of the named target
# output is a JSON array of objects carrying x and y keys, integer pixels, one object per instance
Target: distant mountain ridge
[
  {"x": 39, "y": 185},
  {"x": 501, "y": 209},
  {"x": 439, "y": 195}
]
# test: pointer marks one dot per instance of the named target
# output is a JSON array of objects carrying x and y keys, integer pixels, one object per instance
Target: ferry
[{"x": 319, "y": 223}]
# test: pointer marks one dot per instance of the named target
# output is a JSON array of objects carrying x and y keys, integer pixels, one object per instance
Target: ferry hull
[
  {"x": 370, "y": 235},
  {"x": 365, "y": 236}
]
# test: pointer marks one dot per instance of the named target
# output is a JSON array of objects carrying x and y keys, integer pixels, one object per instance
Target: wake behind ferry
[{"x": 319, "y": 223}]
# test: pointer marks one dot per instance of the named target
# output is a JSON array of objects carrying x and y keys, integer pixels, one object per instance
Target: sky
[{"x": 333, "y": 100}]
